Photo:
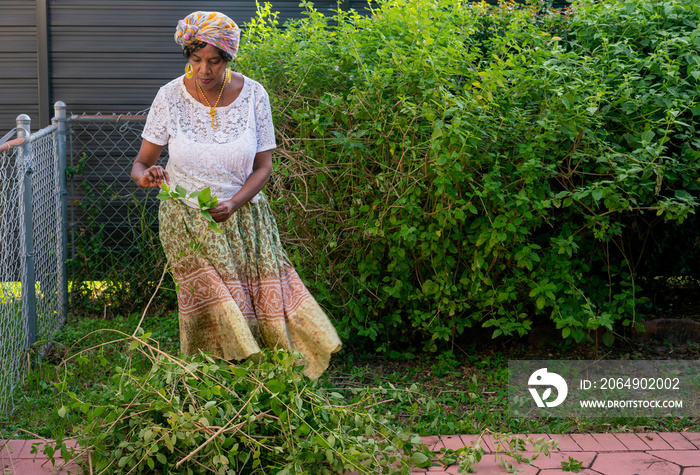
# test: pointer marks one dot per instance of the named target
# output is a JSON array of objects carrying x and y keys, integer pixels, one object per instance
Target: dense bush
[{"x": 444, "y": 164}]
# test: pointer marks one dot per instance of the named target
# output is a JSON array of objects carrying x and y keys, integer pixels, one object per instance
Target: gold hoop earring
[
  {"x": 188, "y": 71},
  {"x": 228, "y": 76}
]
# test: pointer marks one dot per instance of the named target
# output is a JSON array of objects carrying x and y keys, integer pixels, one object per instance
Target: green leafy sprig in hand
[{"x": 204, "y": 198}]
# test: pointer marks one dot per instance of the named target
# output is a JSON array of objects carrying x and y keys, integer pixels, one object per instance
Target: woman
[{"x": 237, "y": 291}]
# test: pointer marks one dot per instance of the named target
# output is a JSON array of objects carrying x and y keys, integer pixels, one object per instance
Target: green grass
[
  {"x": 451, "y": 393},
  {"x": 37, "y": 400},
  {"x": 12, "y": 339},
  {"x": 469, "y": 394}
]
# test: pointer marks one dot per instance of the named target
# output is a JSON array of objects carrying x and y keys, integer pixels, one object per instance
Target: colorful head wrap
[{"x": 213, "y": 28}]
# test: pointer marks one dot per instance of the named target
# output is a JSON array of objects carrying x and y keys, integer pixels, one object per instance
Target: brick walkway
[{"x": 668, "y": 453}]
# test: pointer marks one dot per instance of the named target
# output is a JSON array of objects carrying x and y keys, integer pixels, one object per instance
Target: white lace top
[{"x": 200, "y": 156}]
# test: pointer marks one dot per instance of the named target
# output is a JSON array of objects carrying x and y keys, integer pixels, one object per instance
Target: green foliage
[
  {"x": 204, "y": 198},
  {"x": 446, "y": 164},
  {"x": 572, "y": 465},
  {"x": 115, "y": 269},
  {"x": 200, "y": 415},
  {"x": 162, "y": 414},
  {"x": 510, "y": 451},
  {"x": 37, "y": 398}
]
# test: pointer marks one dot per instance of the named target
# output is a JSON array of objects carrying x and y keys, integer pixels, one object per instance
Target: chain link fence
[
  {"x": 115, "y": 258},
  {"x": 47, "y": 233},
  {"x": 75, "y": 226},
  {"x": 32, "y": 277},
  {"x": 13, "y": 327}
]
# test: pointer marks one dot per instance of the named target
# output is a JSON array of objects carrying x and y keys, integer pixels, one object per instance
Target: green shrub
[{"x": 445, "y": 164}]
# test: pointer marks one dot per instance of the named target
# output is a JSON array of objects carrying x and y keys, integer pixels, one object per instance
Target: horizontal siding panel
[
  {"x": 65, "y": 39},
  {"x": 133, "y": 14},
  {"x": 17, "y": 13},
  {"x": 17, "y": 94},
  {"x": 17, "y": 40},
  {"x": 23, "y": 68},
  {"x": 133, "y": 52},
  {"x": 8, "y": 116},
  {"x": 18, "y": 62},
  {"x": 162, "y": 67},
  {"x": 361, "y": 7},
  {"x": 106, "y": 101}
]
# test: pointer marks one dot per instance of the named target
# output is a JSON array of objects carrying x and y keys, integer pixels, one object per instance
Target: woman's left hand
[
  {"x": 223, "y": 210},
  {"x": 262, "y": 167}
]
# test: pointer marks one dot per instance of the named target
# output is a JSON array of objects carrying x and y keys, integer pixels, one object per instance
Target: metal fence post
[
  {"x": 60, "y": 119},
  {"x": 29, "y": 285}
]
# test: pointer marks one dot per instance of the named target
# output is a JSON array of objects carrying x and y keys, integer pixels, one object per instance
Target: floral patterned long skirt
[{"x": 238, "y": 291}]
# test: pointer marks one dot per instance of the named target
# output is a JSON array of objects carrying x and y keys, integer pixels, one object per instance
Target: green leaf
[
  {"x": 275, "y": 386},
  {"x": 608, "y": 338},
  {"x": 683, "y": 195},
  {"x": 647, "y": 136},
  {"x": 204, "y": 196},
  {"x": 419, "y": 459},
  {"x": 240, "y": 372},
  {"x": 429, "y": 287},
  {"x": 565, "y": 100},
  {"x": 541, "y": 302},
  {"x": 180, "y": 191}
]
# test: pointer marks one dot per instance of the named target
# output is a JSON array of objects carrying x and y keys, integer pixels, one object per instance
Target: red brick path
[{"x": 667, "y": 453}]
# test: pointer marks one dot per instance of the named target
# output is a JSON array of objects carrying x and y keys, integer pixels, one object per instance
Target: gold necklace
[{"x": 212, "y": 109}]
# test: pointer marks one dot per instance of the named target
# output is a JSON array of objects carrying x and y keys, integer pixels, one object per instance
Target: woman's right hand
[
  {"x": 144, "y": 172},
  {"x": 153, "y": 177}
]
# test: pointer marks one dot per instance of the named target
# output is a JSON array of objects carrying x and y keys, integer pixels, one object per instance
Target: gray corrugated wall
[
  {"x": 106, "y": 56},
  {"x": 18, "y": 62},
  {"x": 112, "y": 56}
]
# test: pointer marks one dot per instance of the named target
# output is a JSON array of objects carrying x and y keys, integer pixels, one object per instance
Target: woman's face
[{"x": 208, "y": 67}]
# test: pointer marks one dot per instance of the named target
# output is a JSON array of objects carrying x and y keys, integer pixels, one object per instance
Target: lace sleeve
[
  {"x": 156, "y": 128},
  {"x": 265, "y": 130}
]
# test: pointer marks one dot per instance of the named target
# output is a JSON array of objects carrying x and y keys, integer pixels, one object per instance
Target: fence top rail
[
  {"x": 43, "y": 132},
  {"x": 5, "y": 146},
  {"x": 108, "y": 118}
]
